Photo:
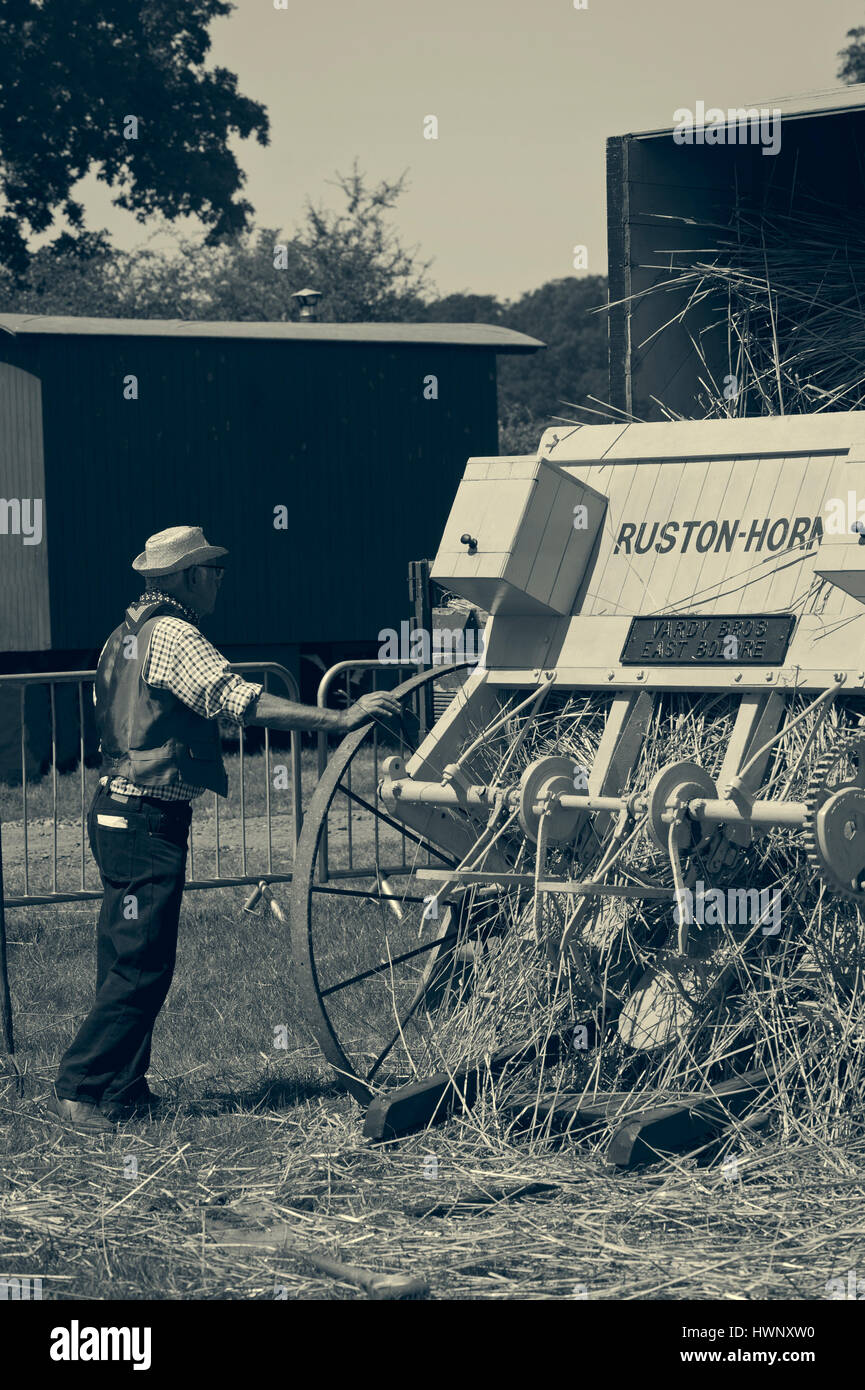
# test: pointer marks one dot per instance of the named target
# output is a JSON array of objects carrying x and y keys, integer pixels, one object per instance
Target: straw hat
[{"x": 175, "y": 549}]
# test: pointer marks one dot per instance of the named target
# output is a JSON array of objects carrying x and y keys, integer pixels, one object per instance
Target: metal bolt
[
  {"x": 611, "y": 675},
  {"x": 641, "y": 675},
  {"x": 536, "y": 672},
  {"x": 770, "y": 675},
  {"x": 550, "y": 675},
  {"x": 738, "y": 677}
]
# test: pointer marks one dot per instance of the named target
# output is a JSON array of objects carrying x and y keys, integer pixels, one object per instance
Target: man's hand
[
  {"x": 273, "y": 712},
  {"x": 377, "y": 705}
]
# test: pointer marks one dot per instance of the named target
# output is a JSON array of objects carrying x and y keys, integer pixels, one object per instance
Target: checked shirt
[{"x": 182, "y": 661}]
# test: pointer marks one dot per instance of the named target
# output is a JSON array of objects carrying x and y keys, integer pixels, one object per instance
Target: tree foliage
[
  {"x": 351, "y": 254},
  {"x": 555, "y": 382},
  {"x": 574, "y": 365},
  {"x": 853, "y": 57},
  {"x": 71, "y": 74}
]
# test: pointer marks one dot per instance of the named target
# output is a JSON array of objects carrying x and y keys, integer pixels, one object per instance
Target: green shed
[{"x": 324, "y": 456}]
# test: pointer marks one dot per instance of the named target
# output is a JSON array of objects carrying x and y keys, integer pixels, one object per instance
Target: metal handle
[
  {"x": 255, "y": 897},
  {"x": 264, "y": 890}
]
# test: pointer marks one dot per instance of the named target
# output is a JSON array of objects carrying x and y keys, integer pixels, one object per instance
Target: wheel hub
[
  {"x": 546, "y": 777},
  {"x": 680, "y": 782}
]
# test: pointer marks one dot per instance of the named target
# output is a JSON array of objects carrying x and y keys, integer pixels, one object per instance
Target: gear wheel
[{"x": 834, "y": 824}]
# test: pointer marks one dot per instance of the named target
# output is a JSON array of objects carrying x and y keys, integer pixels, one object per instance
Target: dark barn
[{"x": 121, "y": 428}]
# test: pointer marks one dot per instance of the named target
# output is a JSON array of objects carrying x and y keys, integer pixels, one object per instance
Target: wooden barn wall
[
  {"x": 223, "y": 432},
  {"x": 652, "y": 180},
  {"x": 24, "y": 593}
]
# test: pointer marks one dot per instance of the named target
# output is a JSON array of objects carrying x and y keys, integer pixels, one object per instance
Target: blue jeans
[{"x": 140, "y": 847}]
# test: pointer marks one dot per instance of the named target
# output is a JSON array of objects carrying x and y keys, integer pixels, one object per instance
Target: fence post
[
  {"x": 419, "y": 589},
  {"x": 5, "y": 995}
]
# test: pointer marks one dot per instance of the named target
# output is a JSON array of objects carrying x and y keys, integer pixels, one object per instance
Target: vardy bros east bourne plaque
[{"x": 761, "y": 639}]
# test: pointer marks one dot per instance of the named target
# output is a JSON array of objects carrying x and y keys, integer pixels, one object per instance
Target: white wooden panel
[
  {"x": 533, "y": 532},
  {"x": 528, "y": 550},
  {"x": 24, "y": 594},
  {"x": 705, "y": 438},
  {"x": 489, "y": 509}
]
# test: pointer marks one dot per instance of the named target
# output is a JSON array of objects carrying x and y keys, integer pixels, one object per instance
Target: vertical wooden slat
[{"x": 24, "y": 612}]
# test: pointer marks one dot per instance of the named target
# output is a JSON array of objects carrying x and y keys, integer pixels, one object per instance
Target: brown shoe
[{"x": 80, "y": 1114}]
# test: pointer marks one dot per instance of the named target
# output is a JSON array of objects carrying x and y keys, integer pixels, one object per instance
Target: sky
[{"x": 525, "y": 93}]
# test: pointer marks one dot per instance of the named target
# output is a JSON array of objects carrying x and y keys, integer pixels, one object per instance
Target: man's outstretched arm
[{"x": 273, "y": 712}]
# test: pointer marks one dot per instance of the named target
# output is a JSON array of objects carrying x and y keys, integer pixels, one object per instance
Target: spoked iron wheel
[
  {"x": 360, "y": 942},
  {"x": 395, "y": 986}
]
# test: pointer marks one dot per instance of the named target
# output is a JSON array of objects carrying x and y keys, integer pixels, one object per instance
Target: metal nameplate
[{"x": 717, "y": 639}]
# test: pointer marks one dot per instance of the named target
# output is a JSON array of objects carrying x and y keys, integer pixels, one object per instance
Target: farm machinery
[{"x": 615, "y": 889}]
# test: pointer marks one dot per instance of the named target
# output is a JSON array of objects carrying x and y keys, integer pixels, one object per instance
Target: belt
[{"x": 169, "y": 807}]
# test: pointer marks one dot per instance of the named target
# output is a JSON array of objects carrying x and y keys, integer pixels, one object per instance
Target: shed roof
[
  {"x": 467, "y": 335},
  {"x": 830, "y": 102}
]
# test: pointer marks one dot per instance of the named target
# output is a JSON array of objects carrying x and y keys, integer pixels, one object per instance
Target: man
[{"x": 160, "y": 689}]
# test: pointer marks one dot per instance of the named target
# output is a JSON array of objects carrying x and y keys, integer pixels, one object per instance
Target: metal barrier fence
[
  {"x": 54, "y": 833},
  {"x": 59, "y": 837}
]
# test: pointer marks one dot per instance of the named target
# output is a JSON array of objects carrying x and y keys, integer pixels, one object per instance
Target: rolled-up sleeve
[{"x": 182, "y": 660}]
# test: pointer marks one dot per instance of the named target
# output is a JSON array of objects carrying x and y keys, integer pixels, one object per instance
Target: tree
[
  {"x": 356, "y": 259},
  {"x": 74, "y": 275},
  {"x": 351, "y": 255},
  {"x": 533, "y": 390},
  {"x": 853, "y": 66},
  {"x": 574, "y": 364},
  {"x": 465, "y": 308},
  {"x": 120, "y": 88}
]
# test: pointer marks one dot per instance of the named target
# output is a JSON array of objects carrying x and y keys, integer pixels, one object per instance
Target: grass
[
  {"x": 258, "y": 1133},
  {"x": 277, "y": 1142}
]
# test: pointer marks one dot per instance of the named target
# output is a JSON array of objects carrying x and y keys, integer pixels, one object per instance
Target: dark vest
[{"x": 148, "y": 735}]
